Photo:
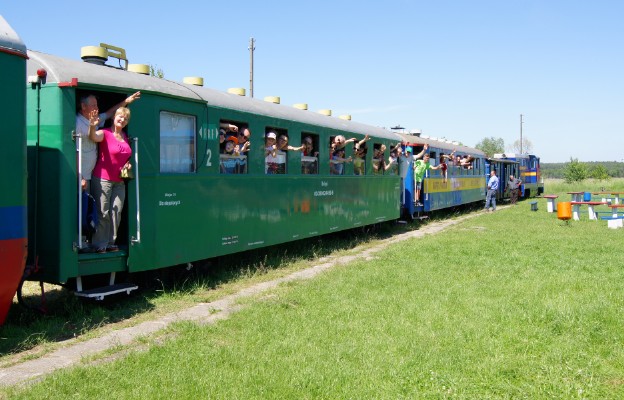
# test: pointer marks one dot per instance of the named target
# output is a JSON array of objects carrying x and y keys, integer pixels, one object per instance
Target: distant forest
[{"x": 556, "y": 170}]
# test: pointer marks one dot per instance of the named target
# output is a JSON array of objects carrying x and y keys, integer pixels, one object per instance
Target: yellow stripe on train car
[
  {"x": 437, "y": 185},
  {"x": 529, "y": 173}
]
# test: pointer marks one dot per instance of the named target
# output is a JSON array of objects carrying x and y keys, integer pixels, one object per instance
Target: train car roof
[
  {"x": 64, "y": 70},
  {"x": 9, "y": 40},
  {"x": 503, "y": 160},
  {"x": 413, "y": 140}
]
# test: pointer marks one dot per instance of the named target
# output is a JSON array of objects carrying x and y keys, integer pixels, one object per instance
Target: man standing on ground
[
  {"x": 513, "y": 185},
  {"x": 491, "y": 193}
]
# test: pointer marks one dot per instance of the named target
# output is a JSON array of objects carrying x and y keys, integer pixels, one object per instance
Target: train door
[{"x": 86, "y": 156}]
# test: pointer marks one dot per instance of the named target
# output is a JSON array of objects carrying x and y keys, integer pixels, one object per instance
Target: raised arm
[
  {"x": 422, "y": 153},
  {"x": 111, "y": 111},
  {"x": 94, "y": 120},
  {"x": 361, "y": 142},
  {"x": 228, "y": 127},
  {"x": 291, "y": 148},
  {"x": 396, "y": 148}
]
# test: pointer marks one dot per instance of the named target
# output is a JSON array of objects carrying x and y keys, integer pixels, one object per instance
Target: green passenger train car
[{"x": 185, "y": 204}]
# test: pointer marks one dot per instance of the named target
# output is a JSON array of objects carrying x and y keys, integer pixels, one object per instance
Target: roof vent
[
  {"x": 193, "y": 80},
  {"x": 100, "y": 54},
  {"x": 237, "y": 90},
  {"x": 94, "y": 54},
  {"x": 346, "y": 117},
  {"x": 415, "y": 132},
  {"x": 272, "y": 99},
  {"x": 139, "y": 68},
  {"x": 301, "y": 106},
  {"x": 325, "y": 112}
]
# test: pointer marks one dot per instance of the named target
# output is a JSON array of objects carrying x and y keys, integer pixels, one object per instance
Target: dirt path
[{"x": 73, "y": 352}]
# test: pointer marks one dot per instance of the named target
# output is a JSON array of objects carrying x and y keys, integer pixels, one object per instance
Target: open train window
[
  {"x": 275, "y": 151},
  {"x": 309, "y": 153},
  {"x": 360, "y": 150},
  {"x": 177, "y": 142},
  {"x": 233, "y": 147},
  {"x": 379, "y": 163}
]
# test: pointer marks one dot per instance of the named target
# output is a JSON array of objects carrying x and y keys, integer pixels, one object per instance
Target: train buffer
[
  {"x": 551, "y": 205},
  {"x": 101, "y": 292}
]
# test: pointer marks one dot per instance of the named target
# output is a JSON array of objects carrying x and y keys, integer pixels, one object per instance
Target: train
[
  {"x": 188, "y": 201},
  {"x": 529, "y": 172}
]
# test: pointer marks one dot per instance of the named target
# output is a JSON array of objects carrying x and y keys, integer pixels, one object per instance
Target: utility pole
[
  {"x": 521, "y": 133},
  {"x": 252, "y": 41}
]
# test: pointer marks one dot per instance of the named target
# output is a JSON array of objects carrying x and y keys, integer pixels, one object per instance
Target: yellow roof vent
[
  {"x": 100, "y": 54},
  {"x": 139, "y": 68},
  {"x": 116, "y": 52},
  {"x": 94, "y": 54},
  {"x": 301, "y": 106},
  {"x": 346, "y": 117},
  {"x": 272, "y": 99},
  {"x": 325, "y": 112},
  {"x": 237, "y": 90},
  {"x": 194, "y": 80}
]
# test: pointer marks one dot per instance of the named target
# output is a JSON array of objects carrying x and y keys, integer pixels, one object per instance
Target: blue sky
[{"x": 462, "y": 70}]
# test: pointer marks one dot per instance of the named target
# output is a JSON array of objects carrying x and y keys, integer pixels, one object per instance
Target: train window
[
  {"x": 360, "y": 150},
  {"x": 379, "y": 163},
  {"x": 177, "y": 142},
  {"x": 234, "y": 146},
  {"x": 392, "y": 167},
  {"x": 309, "y": 154},
  {"x": 275, "y": 148},
  {"x": 337, "y": 161}
]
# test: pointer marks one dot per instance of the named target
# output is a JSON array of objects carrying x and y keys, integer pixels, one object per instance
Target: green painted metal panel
[
  {"x": 189, "y": 219},
  {"x": 12, "y": 150},
  {"x": 52, "y": 182}
]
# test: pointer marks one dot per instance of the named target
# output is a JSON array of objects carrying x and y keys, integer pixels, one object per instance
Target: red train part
[{"x": 12, "y": 259}]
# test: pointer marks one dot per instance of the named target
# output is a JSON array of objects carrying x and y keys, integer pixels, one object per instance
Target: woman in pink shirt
[{"x": 108, "y": 188}]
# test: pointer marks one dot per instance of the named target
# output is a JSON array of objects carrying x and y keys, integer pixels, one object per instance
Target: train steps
[{"x": 100, "y": 292}]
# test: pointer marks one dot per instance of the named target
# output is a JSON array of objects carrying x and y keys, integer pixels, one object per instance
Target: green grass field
[{"x": 511, "y": 304}]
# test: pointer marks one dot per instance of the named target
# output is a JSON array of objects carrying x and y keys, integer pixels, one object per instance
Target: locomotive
[{"x": 188, "y": 200}]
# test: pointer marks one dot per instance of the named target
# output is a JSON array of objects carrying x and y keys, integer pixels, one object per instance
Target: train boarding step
[{"x": 101, "y": 292}]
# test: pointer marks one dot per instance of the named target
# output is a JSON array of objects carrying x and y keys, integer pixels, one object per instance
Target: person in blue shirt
[{"x": 491, "y": 191}]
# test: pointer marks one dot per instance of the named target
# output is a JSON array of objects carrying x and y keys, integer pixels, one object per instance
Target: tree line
[
  {"x": 572, "y": 171},
  {"x": 575, "y": 170}
]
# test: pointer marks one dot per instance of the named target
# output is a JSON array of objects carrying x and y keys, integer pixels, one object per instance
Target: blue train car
[
  {"x": 462, "y": 183},
  {"x": 504, "y": 169},
  {"x": 529, "y": 173}
]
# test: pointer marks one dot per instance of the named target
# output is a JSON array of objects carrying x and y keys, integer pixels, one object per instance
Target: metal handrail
[{"x": 137, "y": 239}]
